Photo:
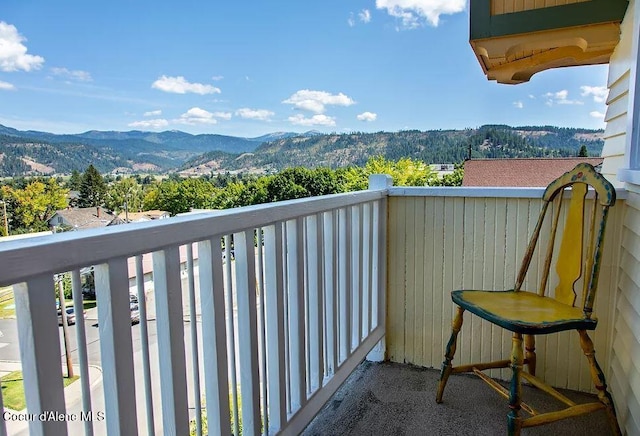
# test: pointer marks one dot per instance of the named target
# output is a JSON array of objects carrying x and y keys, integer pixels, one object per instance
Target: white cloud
[
  {"x": 351, "y": 21},
  {"x": 255, "y": 114},
  {"x": 4, "y": 86},
  {"x": 596, "y": 114},
  {"x": 195, "y": 115},
  {"x": 518, "y": 104},
  {"x": 78, "y": 75},
  {"x": 599, "y": 93},
  {"x": 531, "y": 96},
  {"x": 364, "y": 15},
  {"x": 412, "y": 13},
  {"x": 153, "y": 113},
  {"x": 316, "y": 101},
  {"x": 179, "y": 85},
  {"x": 560, "y": 97},
  {"x": 158, "y": 123},
  {"x": 13, "y": 53},
  {"x": 316, "y": 120},
  {"x": 367, "y": 116},
  {"x": 223, "y": 115},
  {"x": 217, "y": 78}
]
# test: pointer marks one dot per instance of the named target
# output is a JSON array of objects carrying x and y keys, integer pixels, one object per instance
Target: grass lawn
[
  {"x": 6, "y": 303},
  {"x": 13, "y": 390}
]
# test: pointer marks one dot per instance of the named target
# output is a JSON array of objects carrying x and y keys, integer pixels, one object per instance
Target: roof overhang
[{"x": 513, "y": 40}]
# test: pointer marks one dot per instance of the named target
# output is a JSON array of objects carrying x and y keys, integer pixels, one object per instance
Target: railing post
[
  {"x": 170, "y": 328},
  {"x": 380, "y": 181},
  {"x": 40, "y": 353},
  {"x": 116, "y": 346}
]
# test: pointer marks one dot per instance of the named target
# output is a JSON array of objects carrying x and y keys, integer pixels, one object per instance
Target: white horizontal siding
[
  {"x": 625, "y": 361},
  {"x": 618, "y": 101},
  {"x": 614, "y": 146},
  {"x": 439, "y": 244}
]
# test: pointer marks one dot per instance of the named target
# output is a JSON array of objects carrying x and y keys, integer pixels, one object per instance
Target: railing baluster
[
  {"x": 344, "y": 281},
  {"x": 331, "y": 306},
  {"x": 81, "y": 340},
  {"x": 247, "y": 331},
  {"x": 274, "y": 294},
  {"x": 358, "y": 260},
  {"x": 314, "y": 253},
  {"x": 3, "y": 427},
  {"x": 40, "y": 352},
  {"x": 231, "y": 333},
  {"x": 170, "y": 325},
  {"x": 214, "y": 336},
  {"x": 112, "y": 292},
  {"x": 144, "y": 344},
  {"x": 366, "y": 270},
  {"x": 262, "y": 329},
  {"x": 193, "y": 324},
  {"x": 295, "y": 250},
  {"x": 376, "y": 268}
]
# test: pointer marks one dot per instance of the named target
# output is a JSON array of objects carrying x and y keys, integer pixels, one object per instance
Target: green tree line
[{"x": 30, "y": 203}]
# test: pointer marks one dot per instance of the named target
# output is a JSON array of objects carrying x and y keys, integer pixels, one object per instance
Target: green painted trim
[{"x": 483, "y": 25}]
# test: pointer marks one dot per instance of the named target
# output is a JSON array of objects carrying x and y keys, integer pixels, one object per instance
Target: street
[{"x": 9, "y": 351}]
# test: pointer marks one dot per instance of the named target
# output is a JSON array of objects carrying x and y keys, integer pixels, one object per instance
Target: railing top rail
[
  {"x": 476, "y": 192},
  {"x": 21, "y": 259}
]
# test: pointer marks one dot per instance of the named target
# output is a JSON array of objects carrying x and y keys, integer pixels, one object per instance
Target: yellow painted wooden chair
[{"x": 528, "y": 314}]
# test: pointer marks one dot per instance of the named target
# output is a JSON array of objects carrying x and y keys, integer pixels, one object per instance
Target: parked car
[
  {"x": 135, "y": 313},
  {"x": 71, "y": 316}
]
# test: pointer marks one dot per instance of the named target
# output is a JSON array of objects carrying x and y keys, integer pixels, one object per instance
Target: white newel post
[{"x": 381, "y": 181}]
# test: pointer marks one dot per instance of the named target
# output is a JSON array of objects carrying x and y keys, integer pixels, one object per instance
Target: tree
[
  {"x": 36, "y": 203},
  {"x": 583, "y": 151},
  {"x": 126, "y": 190},
  {"x": 75, "y": 181},
  {"x": 93, "y": 188},
  {"x": 453, "y": 179}
]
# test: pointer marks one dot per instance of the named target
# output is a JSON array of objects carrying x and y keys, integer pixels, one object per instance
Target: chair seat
[{"x": 523, "y": 312}]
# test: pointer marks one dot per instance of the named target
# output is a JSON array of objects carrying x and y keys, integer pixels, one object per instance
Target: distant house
[
  {"x": 73, "y": 198},
  {"x": 82, "y": 218},
  {"x": 149, "y": 215},
  {"x": 532, "y": 172}
]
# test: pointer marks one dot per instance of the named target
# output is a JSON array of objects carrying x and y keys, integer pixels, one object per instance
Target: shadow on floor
[{"x": 396, "y": 399}]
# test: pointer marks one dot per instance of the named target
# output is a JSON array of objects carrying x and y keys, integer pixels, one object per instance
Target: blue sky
[{"x": 247, "y": 68}]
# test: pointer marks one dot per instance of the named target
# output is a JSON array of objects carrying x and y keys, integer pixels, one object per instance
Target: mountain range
[{"x": 33, "y": 152}]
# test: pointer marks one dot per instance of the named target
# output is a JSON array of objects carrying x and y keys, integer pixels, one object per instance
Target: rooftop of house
[
  {"x": 144, "y": 216},
  {"x": 532, "y": 172},
  {"x": 87, "y": 217}
]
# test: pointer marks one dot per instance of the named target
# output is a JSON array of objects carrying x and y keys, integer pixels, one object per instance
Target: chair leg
[
  {"x": 514, "y": 422},
  {"x": 456, "y": 325},
  {"x": 530, "y": 353},
  {"x": 598, "y": 379}
]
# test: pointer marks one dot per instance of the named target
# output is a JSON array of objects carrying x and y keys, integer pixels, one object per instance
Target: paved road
[{"x": 9, "y": 350}]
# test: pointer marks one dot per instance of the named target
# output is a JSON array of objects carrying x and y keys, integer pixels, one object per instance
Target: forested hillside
[
  {"x": 435, "y": 146},
  {"x": 37, "y": 153}
]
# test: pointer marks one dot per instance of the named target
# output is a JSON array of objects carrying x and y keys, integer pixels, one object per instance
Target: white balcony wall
[
  {"x": 624, "y": 370},
  {"x": 461, "y": 238}
]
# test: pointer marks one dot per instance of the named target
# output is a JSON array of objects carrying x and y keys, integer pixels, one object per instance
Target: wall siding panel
[
  {"x": 618, "y": 101},
  {"x": 439, "y": 244},
  {"x": 508, "y": 6}
]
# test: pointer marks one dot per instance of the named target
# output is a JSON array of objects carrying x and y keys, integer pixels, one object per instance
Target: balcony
[{"x": 260, "y": 341}]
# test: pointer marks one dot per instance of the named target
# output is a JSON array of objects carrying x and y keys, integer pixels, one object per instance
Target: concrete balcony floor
[{"x": 396, "y": 399}]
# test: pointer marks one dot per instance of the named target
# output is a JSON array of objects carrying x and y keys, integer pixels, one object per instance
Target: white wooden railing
[{"x": 276, "y": 324}]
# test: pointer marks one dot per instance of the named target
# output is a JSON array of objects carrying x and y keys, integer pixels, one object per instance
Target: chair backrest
[{"x": 581, "y": 229}]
